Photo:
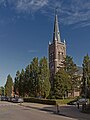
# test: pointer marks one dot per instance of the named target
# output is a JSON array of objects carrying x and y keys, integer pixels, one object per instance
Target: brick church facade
[
  {"x": 57, "y": 54},
  {"x": 57, "y": 50}
]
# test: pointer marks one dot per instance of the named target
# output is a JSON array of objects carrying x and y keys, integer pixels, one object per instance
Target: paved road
[
  {"x": 30, "y": 111},
  {"x": 10, "y": 111},
  {"x": 65, "y": 111}
]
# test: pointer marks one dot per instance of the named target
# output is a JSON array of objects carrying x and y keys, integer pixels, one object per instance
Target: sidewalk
[
  {"x": 64, "y": 110},
  {"x": 74, "y": 112}
]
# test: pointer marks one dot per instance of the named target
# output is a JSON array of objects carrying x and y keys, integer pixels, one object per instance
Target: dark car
[{"x": 4, "y": 98}]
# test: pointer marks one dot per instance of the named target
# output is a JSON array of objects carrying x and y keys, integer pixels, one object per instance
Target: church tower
[{"x": 57, "y": 50}]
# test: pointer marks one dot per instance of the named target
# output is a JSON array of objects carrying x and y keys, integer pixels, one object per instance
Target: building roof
[{"x": 56, "y": 34}]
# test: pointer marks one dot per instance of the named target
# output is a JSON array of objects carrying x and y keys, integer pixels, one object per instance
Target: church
[
  {"x": 57, "y": 50},
  {"x": 57, "y": 54}
]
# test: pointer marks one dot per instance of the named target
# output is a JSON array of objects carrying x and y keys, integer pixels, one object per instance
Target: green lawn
[{"x": 63, "y": 101}]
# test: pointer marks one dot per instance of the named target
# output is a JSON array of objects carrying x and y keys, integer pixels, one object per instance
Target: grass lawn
[{"x": 63, "y": 101}]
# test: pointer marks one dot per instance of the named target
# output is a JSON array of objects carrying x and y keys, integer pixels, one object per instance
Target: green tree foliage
[
  {"x": 21, "y": 83},
  {"x": 27, "y": 82},
  {"x": 8, "y": 86},
  {"x": 70, "y": 66},
  {"x": 61, "y": 84},
  {"x": 71, "y": 69},
  {"x": 66, "y": 79},
  {"x": 16, "y": 83},
  {"x": 86, "y": 76},
  {"x": 34, "y": 67},
  {"x": 34, "y": 81},
  {"x": 1, "y": 90},
  {"x": 44, "y": 83}
]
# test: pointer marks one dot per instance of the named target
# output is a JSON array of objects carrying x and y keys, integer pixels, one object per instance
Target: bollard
[
  {"x": 78, "y": 105},
  {"x": 57, "y": 107},
  {"x": 84, "y": 107}
]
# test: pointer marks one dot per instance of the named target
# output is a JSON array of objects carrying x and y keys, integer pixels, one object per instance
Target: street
[{"x": 31, "y": 111}]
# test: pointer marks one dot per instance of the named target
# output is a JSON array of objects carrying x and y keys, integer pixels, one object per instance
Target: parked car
[
  {"x": 10, "y": 99},
  {"x": 4, "y": 98},
  {"x": 17, "y": 100},
  {"x": 82, "y": 101}
]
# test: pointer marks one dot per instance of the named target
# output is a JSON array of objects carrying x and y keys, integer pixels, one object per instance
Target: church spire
[{"x": 56, "y": 34}]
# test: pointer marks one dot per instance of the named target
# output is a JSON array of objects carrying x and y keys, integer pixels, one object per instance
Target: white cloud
[
  {"x": 25, "y": 5},
  {"x": 29, "y": 5},
  {"x": 72, "y": 11},
  {"x": 69, "y": 11}
]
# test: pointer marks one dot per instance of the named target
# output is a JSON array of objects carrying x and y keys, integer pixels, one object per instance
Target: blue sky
[{"x": 26, "y": 27}]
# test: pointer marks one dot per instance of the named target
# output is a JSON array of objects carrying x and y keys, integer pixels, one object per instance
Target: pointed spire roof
[{"x": 56, "y": 34}]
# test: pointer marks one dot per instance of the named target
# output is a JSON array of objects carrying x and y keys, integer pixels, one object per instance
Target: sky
[{"x": 26, "y": 27}]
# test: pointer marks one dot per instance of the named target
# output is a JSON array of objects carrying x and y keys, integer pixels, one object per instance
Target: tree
[
  {"x": 8, "y": 86},
  {"x": 1, "y": 90},
  {"x": 16, "y": 83},
  {"x": 86, "y": 76},
  {"x": 21, "y": 83},
  {"x": 34, "y": 81},
  {"x": 71, "y": 69},
  {"x": 70, "y": 66},
  {"x": 34, "y": 70},
  {"x": 28, "y": 83},
  {"x": 44, "y": 83},
  {"x": 61, "y": 84}
]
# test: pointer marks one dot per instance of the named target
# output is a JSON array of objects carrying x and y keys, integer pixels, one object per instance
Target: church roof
[{"x": 56, "y": 34}]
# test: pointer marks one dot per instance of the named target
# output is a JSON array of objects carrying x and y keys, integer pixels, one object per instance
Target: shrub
[{"x": 41, "y": 101}]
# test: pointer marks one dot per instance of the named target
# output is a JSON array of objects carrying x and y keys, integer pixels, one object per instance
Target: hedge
[{"x": 41, "y": 101}]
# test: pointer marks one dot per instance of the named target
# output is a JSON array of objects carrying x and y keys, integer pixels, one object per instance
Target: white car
[
  {"x": 82, "y": 101},
  {"x": 18, "y": 100}
]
